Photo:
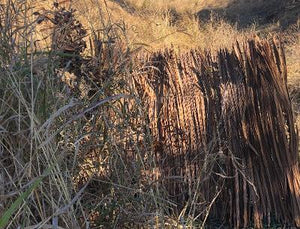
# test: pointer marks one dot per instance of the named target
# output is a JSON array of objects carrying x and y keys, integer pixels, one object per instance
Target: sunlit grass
[{"x": 45, "y": 123}]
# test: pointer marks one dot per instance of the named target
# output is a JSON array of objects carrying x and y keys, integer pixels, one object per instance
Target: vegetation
[{"x": 77, "y": 147}]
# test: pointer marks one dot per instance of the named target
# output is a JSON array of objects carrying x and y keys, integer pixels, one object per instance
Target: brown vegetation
[
  {"x": 96, "y": 133},
  {"x": 225, "y": 133}
]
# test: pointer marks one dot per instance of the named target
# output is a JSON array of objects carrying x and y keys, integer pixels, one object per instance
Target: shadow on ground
[{"x": 260, "y": 12}]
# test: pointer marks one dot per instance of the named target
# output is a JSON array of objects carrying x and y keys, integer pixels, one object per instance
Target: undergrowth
[{"x": 68, "y": 115}]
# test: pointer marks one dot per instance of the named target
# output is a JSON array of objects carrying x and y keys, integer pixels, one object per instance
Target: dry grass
[
  {"x": 51, "y": 135},
  {"x": 62, "y": 145},
  {"x": 181, "y": 6},
  {"x": 293, "y": 60},
  {"x": 156, "y": 29}
]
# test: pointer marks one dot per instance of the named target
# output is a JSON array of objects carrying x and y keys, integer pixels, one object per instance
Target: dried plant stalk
[{"x": 226, "y": 121}]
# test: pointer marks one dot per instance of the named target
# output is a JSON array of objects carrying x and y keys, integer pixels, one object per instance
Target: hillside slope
[{"x": 261, "y": 12}]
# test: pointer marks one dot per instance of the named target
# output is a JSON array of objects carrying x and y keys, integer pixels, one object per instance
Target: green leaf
[{"x": 16, "y": 204}]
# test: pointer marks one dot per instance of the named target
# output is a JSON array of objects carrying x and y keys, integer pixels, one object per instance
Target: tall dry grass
[
  {"x": 156, "y": 29},
  {"x": 67, "y": 119},
  {"x": 181, "y": 6},
  {"x": 63, "y": 137}
]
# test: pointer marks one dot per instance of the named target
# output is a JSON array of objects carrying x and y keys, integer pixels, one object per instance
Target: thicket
[{"x": 79, "y": 147}]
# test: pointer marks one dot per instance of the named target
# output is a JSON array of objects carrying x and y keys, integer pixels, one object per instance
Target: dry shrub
[{"x": 62, "y": 156}]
